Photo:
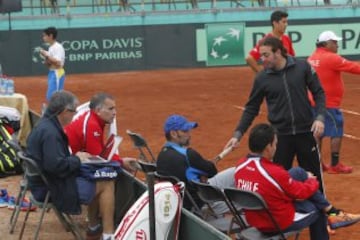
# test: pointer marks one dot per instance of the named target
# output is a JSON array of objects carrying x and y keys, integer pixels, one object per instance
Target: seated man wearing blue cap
[{"x": 177, "y": 159}]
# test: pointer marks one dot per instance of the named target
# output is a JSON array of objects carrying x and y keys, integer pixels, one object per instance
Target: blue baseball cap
[{"x": 178, "y": 122}]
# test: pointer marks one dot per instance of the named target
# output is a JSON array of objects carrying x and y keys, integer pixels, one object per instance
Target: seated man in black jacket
[
  {"x": 48, "y": 146},
  {"x": 178, "y": 159}
]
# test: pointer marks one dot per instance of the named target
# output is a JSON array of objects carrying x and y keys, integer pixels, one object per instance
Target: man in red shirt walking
[
  {"x": 279, "y": 22},
  {"x": 328, "y": 66}
]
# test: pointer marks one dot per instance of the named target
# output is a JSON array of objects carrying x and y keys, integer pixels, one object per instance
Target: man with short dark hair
[
  {"x": 54, "y": 60},
  {"x": 48, "y": 145},
  {"x": 87, "y": 132},
  {"x": 279, "y": 22},
  {"x": 329, "y": 66},
  {"x": 284, "y": 83},
  {"x": 292, "y": 197}
]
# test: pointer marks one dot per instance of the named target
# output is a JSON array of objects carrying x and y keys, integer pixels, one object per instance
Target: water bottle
[
  {"x": 2, "y": 85},
  {"x": 10, "y": 87},
  {"x": 6, "y": 86}
]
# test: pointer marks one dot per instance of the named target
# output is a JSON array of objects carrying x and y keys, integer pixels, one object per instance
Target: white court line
[
  {"x": 242, "y": 108},
  {"x": 347, "y": 111},
  {"x": 350, "y": 112},
  {"x": 351, "y": 137},
  {"x": 239, "y": 107},
  {"x": 343, "y": 110}
]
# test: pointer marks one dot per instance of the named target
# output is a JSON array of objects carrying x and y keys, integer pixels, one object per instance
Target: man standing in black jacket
[{"x": 284, "y": 83}]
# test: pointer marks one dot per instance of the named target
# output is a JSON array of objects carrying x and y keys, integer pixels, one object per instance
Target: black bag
[{"x": 9, "y": 162}]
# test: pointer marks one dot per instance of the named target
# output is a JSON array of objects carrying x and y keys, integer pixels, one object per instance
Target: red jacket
[
  {"x": 255, "y": 52},
  {"x": 276, "y": 186},
  {"x": 328, "y": 66},
  {"x": 86, "y": 133}
]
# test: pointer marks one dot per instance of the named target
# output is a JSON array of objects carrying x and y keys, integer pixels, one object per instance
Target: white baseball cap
[{"x": 327, "y": 36}]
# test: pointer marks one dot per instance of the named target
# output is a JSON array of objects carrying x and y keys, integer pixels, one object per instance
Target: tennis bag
[
  {"x": 9, "y": 163},
  {"x": 168, "y": 204}
]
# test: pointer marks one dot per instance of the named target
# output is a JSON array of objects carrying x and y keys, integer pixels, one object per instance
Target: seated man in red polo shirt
[
  {"x": 87, "y": 133},
  {"x": 285, "y": 193}
]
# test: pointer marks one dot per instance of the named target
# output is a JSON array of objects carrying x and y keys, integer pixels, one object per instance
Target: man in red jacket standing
[
  {"x": 328, "y": 66},
  {"x": 286, "y": 193},
  {"x": 279, "y": 22}
]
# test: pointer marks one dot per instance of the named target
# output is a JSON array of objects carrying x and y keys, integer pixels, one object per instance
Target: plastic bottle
[
  {"x": 10, "y": 87},
  {"x": 2, "y": 86},
  {"x": 6, "y": 86}
]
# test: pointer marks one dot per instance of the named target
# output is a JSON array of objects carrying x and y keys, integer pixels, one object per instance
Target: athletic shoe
[
  {"x": 339, "y": 168},
  {"x": 342, "y": 219},
  {"x": 23, "y": 206},
  {"x": 4, "y": 198},
  {"x": 94, "y": 234}
]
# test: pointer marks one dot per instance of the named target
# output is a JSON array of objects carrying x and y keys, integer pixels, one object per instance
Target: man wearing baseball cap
[
  {"x": 328, "y": 66},
  {"x": 177, "y": 159}
]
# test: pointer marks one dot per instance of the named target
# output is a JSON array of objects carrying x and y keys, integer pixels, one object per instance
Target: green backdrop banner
[
  {"x": 225, "y": 44},
  {"x": 304, "y": 37},
  {"x": 112, "y": 49}
]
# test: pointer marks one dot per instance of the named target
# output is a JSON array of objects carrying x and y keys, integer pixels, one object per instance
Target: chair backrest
[
  {"x": 211, "y": 194},
  {"x": 146, "y": 166},
  {"x": 248, "y": 200},
  {"x": 141, "y": 144},
  {"x": 31, "y": 169},
  {"x": 171, "y": 179}
]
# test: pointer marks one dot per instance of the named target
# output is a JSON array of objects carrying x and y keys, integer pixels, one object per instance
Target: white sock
[{"x": 108, "y": 236}]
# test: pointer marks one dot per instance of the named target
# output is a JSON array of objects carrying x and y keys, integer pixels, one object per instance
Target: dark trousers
[
  {"x": 317, "y": 220},
  {"x": 304, "y": 147}
]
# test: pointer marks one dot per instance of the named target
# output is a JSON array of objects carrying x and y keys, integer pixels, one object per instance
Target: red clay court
[{"x": 213, "y": 97}]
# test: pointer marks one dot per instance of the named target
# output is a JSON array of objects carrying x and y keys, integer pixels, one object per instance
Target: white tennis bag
[
  {"x": 168, "y": 204},
  {"x": 10, "y": 116}
]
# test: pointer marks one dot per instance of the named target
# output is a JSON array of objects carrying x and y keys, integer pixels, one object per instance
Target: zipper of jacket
[{"x": 290, "y": 103}]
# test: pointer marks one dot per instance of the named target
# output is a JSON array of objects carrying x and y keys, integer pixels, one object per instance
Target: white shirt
[{"x": 57, "y": 51}]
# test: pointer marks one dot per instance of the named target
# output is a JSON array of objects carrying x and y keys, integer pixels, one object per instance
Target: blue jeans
[{"x": 317, "y": 220}]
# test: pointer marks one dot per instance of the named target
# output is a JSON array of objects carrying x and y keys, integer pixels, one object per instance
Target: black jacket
[
  {"x": 47, "y": 144},
  {"x": 286, "y": 95},
  {"x": 172, "y": 163}
]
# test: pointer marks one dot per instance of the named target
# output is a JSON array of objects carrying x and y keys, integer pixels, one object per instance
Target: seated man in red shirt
[
  {"x": 285, "y": 192},
  {"x": 87, "y": 133}
]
